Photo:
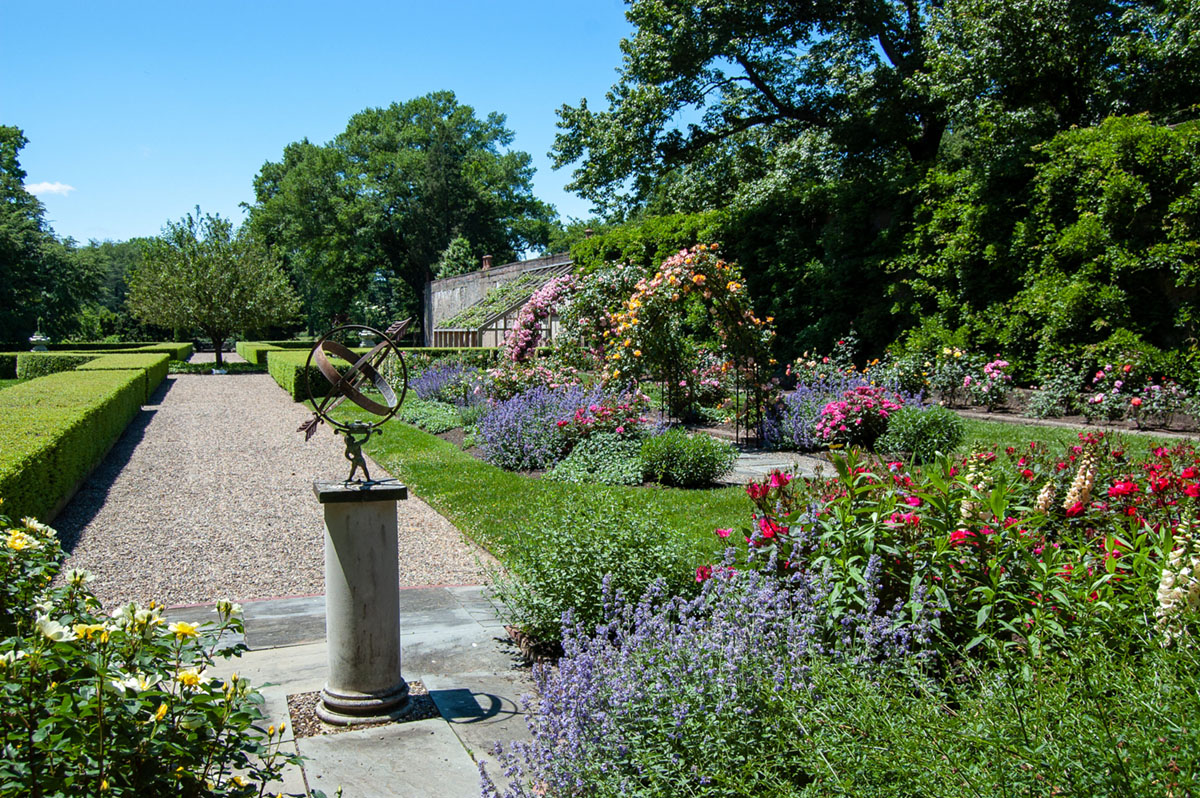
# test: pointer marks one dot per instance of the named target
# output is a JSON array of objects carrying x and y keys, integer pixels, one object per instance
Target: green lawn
[
  {"x": 1002, "y": 434},
  {"x": 494, "y": 506},
  {"x": 6, "y": 383}
]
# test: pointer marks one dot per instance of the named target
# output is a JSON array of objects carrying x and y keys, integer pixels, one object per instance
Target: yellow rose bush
[
  {"x": 693, "y": 300},
  {"x": 117, "y": 703}
]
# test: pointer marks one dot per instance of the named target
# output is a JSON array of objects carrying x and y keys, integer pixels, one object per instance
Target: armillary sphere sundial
[{"x": 364, "y": 369}]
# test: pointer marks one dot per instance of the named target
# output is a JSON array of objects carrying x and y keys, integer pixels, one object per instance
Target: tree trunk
[{"x": 218, "y": 345}]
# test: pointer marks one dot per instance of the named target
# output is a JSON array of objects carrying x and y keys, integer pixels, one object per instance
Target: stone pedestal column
[{"x": 362, "y": 602}]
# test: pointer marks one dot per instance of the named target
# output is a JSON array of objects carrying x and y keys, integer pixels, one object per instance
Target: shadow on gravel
[{"x": 90, "y": 497}]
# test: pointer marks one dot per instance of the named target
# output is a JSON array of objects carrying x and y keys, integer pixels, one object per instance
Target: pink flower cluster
[
  {"x": 621, "y": 416},
  {"x": 524, "y": 337},
  {"x": 859, "y": 417}
]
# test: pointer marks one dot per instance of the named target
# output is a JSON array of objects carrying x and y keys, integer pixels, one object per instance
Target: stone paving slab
[
  {"x": 422, "y": 759},
  {"x": 451, "y": 640}
]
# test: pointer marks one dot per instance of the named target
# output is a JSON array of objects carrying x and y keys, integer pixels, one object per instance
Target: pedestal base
[{"x": 347, "y": 708}]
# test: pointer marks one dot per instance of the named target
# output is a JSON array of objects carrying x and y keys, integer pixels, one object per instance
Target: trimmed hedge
[
  {"x": 31, "y": 365},
  {"x": 256, "y": 353},
  {"x": 479, "y": 356},
  {"x": 287, "y": 369},
  {"x": 287, "y": 366},
  {"x": 153, "y": 364},
  {"x": 177, "y": 351},
  {"x": 8, "y": 365},
  {"x": 56, "y": 430}
]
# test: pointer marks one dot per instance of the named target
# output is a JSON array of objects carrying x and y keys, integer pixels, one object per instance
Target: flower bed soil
[{"x": 1179, "y": 424}]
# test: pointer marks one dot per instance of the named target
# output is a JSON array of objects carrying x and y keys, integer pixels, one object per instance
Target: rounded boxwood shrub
[
  {"x": 687, "y": 461},
  {"x": 923, "y": 432}
]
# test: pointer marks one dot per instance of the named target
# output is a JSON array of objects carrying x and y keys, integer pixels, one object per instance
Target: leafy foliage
[
  {"x": 687, "y": 461},
  {"x": 573, "y": 557},
  {"x": 379, "y": 204},
  {"x": 604, "y": 458},
  {"x": 200, "y": 274},
  {"x": 922, "y": 432}
]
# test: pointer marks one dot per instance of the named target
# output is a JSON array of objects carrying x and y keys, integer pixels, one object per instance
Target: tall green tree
[
  {"x": 40, "y": 276},
  {"x": 202, "y": 274},
  {"x": 384, "y": 199},
  {"x": 835, "y": 136},
  {"x": 750, "y": 77}
]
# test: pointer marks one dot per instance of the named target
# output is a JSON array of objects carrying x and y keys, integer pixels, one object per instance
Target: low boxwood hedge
[
  {"x": 287, "y": 368},
  {"x": 31, "y": 365},
  {"x": 176, "y": 351},
  {"x": 56, "y": 430},
  {"x": 154, "y": 364},
  {"x": 255, "y": 352}
]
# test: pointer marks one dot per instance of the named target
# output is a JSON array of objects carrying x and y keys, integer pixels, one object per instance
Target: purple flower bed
[
  {"x": 792, "y": 424},
  {"x": 655, "y": 700},
  {"x": 522, "y": 433},
  {"x": 451, "y": 382}
]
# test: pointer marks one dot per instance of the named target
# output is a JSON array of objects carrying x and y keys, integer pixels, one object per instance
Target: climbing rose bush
[{"x": 524, "y": 337}]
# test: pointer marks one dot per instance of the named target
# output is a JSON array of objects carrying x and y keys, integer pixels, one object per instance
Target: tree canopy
[
  {"x": 386, "y": 197},
  {"x": 875, "y": 163},
  {"x": 200, "y": 273},
  {"x": 41, "y": 278}
]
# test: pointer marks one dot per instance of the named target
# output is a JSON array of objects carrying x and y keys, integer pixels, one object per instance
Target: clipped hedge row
[
  {"x": 176, "y": 351},
  {"x": 480, "y": 356},
  {"x": 31, "y": 365},
  {"x": 154, "y": 366},
  {"x": 56, "y": 430},
  {"x": 256, "y": 352},
  {"x": 287, "y": 369}
]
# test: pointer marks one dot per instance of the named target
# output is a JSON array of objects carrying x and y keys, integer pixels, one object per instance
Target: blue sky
[{"x": 137, "y": 112}]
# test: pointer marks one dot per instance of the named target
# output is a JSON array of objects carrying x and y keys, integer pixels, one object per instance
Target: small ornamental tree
[
  {"x": 201, "y": 273},
  {"x": 651, "y": 337}
]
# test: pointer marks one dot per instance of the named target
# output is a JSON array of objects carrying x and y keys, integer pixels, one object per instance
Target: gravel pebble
[{"x": 208, "y": 495}]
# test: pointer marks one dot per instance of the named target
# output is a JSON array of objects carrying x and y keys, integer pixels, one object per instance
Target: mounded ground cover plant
[
  {"x": 117, "y": 704},
  {"x": 922, "y": 432},
  {"x": 602, "y": 545},
  {"x": 684, "y": 460}
]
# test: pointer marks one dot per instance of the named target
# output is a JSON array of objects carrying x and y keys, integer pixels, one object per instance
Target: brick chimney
[{"x": 487, "y": 262}]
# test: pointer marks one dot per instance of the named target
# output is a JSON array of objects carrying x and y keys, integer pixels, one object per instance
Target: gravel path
[{"x": 208, "y": 495}]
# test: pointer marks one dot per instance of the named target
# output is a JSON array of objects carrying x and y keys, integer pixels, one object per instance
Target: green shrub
[
  {"x": 288, "y": 370},
  {"x": 154, "y": 364},
  {"x": 256, "y": 353},
  {"x": 923, "y": 432},
  {"x": 56, "y": 429},
  {"x": 8, "y": 365},
  {"x": 177, "y": 367},
  {"x": 560, "y": 562},
  {"x": 177, "y": 351},
  {"x": 431, "y": 416},
  {"x": 118, "y": 705},
  {"x": 687, "y": 461},
  {"x": 31, "y": 365},
  {"x": 603, "y": 458}
]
